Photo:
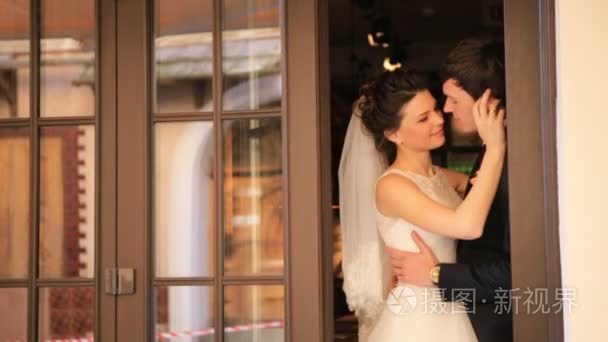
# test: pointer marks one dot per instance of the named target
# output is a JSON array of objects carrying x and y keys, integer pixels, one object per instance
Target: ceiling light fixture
[{"x": 390, "y": 66}]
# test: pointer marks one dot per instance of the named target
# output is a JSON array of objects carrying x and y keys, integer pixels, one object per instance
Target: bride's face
[{"x": 421, "y": 126}]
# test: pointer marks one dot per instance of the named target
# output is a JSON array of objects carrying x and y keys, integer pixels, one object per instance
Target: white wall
[{"x": 582, "y": 77}]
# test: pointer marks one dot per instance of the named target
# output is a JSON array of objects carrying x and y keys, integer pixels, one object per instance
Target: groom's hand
[{"x": 413, "y": 268}]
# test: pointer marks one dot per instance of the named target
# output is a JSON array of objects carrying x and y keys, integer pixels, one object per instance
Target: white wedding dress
[{"x": 414, "y": 313}]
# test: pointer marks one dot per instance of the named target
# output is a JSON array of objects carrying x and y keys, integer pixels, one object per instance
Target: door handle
[{"x": 120, "y": 281}]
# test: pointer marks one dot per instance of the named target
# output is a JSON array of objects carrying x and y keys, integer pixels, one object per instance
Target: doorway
[
  {"x": 85, "y": 104},
  {"x": 419, "y": 33}
]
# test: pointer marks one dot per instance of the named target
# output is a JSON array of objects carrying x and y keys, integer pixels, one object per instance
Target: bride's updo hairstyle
[{"x": 381, "y": 101}]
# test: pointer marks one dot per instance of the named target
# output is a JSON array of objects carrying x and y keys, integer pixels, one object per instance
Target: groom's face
[{"x": 460, "y": 104}]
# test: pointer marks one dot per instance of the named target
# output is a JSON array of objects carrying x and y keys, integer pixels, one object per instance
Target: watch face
[{"x": 435, "y": 274}]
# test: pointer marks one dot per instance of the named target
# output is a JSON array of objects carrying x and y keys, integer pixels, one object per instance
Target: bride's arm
[
  {"x": 397, "y": 196},
  {"x": 457, "y": 180}
]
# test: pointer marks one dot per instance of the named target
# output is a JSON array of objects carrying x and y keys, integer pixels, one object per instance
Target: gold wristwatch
[{"x": 435, "y": 274}]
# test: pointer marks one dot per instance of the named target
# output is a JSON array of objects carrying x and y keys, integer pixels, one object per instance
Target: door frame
[
  {"x": 105, "y": 322},
  {"x": 530, "y": 56},
  {"x": 304, "y": 90},
  {"x": 535, "y": 260}
]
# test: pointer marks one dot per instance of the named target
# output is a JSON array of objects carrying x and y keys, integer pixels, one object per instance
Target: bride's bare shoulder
[{"x": 394, "y": 183}]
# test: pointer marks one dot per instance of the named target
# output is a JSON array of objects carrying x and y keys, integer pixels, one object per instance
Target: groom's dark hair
[{"x": 477, "y": 64}]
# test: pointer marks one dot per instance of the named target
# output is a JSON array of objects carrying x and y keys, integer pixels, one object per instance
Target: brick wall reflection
[{"x": 64, "y": 226}]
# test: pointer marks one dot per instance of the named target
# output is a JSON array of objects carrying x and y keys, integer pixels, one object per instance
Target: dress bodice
[
  {"x": 396, "y": 232},
  {"x": 423, "y": 322}
]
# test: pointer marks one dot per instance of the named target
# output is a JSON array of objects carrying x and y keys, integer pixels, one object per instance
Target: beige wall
[{"x": 582, "y": 72}]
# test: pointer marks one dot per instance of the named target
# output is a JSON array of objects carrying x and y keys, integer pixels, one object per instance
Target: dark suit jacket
[{"x": 484, "y": 265}]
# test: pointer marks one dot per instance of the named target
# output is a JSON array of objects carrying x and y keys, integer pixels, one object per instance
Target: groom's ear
[{"x": 501, "y": 103}]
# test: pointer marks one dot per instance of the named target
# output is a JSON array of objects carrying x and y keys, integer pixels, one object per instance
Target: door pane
[
  {"x": 14, "y": 202},
  {"x": 66, "y": 313},
  {"x": 184, "y": 56},
  {"x": 13, "y": 314},
  {"x": 185, "y": 313},
  {"x": 251, "y": 52},
  {"x": 67, "y": 202},
  {"x": 67, "y": 72},
  {"x": 253, "y": 197},
  {"x": 184, "y": 212},
  {"x": 254, "y": 313},
  {"x": 14, "y": 58}
]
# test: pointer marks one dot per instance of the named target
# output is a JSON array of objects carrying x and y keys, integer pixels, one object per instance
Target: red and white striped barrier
[
  {"x": 211, "y": 331},
  {"x": 195, "y": 333}
]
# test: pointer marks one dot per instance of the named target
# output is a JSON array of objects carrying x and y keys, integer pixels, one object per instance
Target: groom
[{"x": 483, "y": 267}]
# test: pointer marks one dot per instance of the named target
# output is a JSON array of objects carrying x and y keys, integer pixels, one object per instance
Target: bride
[{"x": 397, "y": 123}]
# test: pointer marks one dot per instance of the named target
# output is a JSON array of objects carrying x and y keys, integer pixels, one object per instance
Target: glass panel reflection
[
  {"x": 251, "y": 55},
  {"x": 184, "y": 56},
  {"x": 254, "y": 313},
  {"x": 67, "y": 202},
  {"x": 66, "y": 313},
  {"x": 14, "y": 58},
  {"x": 253, "y": 197},
  {"x": 13, "y": 314},
  {"x": 184, "y": 199},
  {"x": 185, "y": 313},
  {"x": 67, "y": 72},
  {"x": 14, "y": 202}
]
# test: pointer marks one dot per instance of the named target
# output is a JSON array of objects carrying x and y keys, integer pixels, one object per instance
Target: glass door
[
  {"x": 216, "y": 171},
  {"x": 49, "y": 143},
  {"x": 201, "y": 213},
  {"x": 155, "y": 137}
]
